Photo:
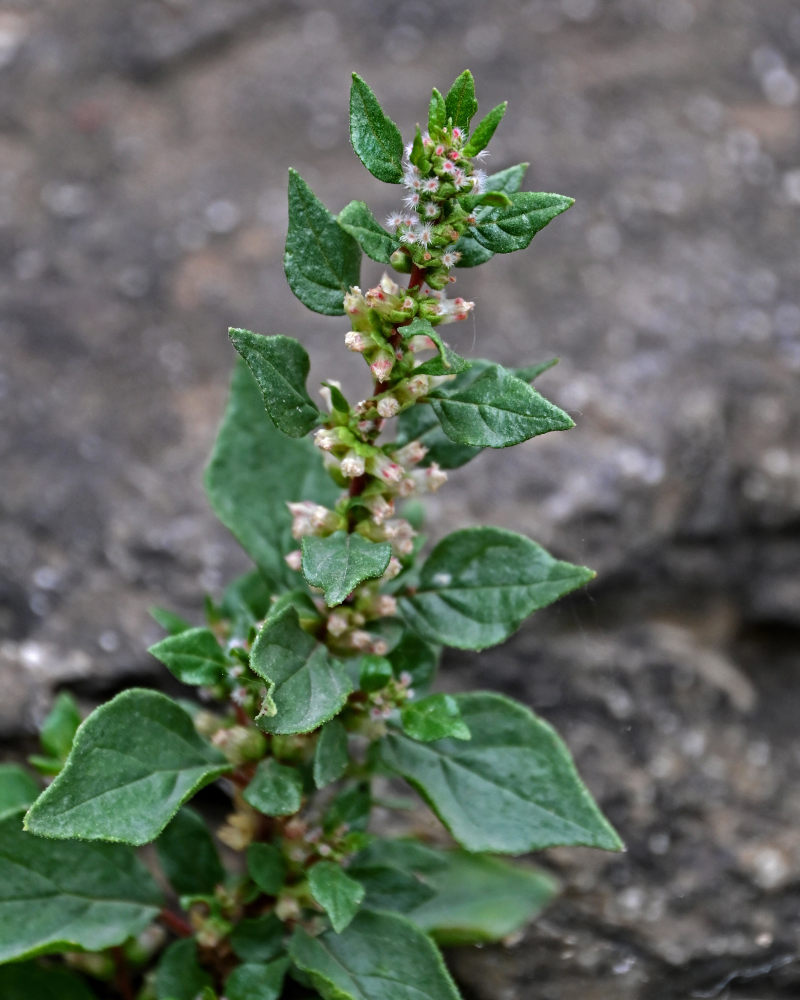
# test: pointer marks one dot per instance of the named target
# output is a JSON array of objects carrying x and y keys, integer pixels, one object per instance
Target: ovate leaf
[
  {"x": 339, "y": 895},
  {"x": 478, "y": 585},
  {"x": 307, "y": 686},
  {"x": 496, "y": 411},
  {"x": 257, "y": 981},
  {"x": 484, "y": 130},
  {"x": 338, "y": 563},
  {"x": 512, "y": 788},
  {"x": 507, "y": 181},
  {"x": 31, "y": 981},
  {"x": 280, "y": 366},
  {"x": 357, "y": 220},
  {"x": 434, "y": 718},
  {"x": 460, "y": 103},
  {"x": 60, "y": 895},
  {"x": 466, "y": 898},
  {"x": 330, "y": 754},
  {"x": 512, "y": 228},
  {"x": 321, "y": 260},
  {"x": 18, "y": 788},
  {"x": 179, "y": 975},
  {"x": 380, "y": 956},
  {"x": 188, "y": 856},
  {"x": 250, "y": 497},
  {"x": 193, "y": 656},
  {"x": 59, "y": 727},
  {"x": 276, "y": 789},
  {"x": 375, "y": 137},
  {"x": 437, "y": 112},
  {"x": 169, "y": 621},
  {"x": 134, "y": 762},
  {"x": 266, "y": 863},
  {"x": 258, "y": 939}
]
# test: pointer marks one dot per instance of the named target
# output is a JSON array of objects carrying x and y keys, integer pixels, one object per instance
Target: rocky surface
[{"x": 143, "y": 150}]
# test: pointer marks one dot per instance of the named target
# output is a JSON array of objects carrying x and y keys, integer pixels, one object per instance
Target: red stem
[
  {"x": 175, "y": 923},
  {"x": 122, "y": 978}
]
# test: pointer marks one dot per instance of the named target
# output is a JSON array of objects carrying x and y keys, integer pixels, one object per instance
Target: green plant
[{"x": 317, "y": 667}]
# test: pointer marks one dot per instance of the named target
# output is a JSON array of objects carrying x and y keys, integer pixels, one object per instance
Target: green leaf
[
  {"x": 280, "y": 366},
  {"x": 245, "y": 601},
  {"x": 375, "y": 672},
  {"x": 306, "y": 684},
  {"x": 531, "y": 372},
  {"x": 169, "y": 621},
  {"x": 57, "y": 896},
  {"x": 351, "y": 807},
  {"x": 321, "y": 261},
  {"x": 31, "y": 981},
  {"x": 434, "y": 718},
  {"x": 484, "y": 130},
  {"x": 265, "y": 862},
  {"x": 135, "y": 761},
  {"x": 479, "y": 585},
  {"x": 17, "y": 788},
  {"x": 188, "y": 856},
  {"x": 256, "y": 981},
  {"x": 460, "y": 102},
  {"x": 509, "y": 229},
  {"x": 59, "y": 728},
  {"x": 338, "y": 563},
  {"x": 466, "y": 898},
  {"x": 250, "y": 497},
  {"x": 380, "y": 956},
  {"x": 416, "y": 658},
  {"x": 512, "y": 788},
  {"x": 417, "y": 155},
  {"x": 193, "y": 656},
  {"x": 259, "y": 939},
  {"x": 389, "y": 887},
  {"x": 179, "y": 975},
  {"x": 447, "y": 363},
  {"x": 357, "y": 220},
  {"x": 375, "y": 138},
  {"x": 330, "y": 754},
  {"x": 506, "y": 181},
  {"x": 496, "y": 411},
  {"x": 276, "y": 789},
  {"x": 437, "y": 112},
  {"x": 339, "y": 895}
]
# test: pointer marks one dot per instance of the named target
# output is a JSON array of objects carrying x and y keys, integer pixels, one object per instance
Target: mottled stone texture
[{"x": 144, "y": 148}]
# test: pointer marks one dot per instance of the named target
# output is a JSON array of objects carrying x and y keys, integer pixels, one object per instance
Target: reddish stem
[
  {"x": 122, "y": 977},
  {"x": 417, "y": 277},
  {"x": 175, "y": 923}
]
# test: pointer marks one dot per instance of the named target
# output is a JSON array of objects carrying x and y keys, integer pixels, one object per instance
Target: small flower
[
  {"x": 479, "y": 178},
  {"x": 355, "y": 341},
  {"x": 450, "y": 258},
  {"x": 388, "y": 286},
  {"x": 395, "y": 568},
  {"x": 447, "y": 167},
  {"x": 294, "y": 560},
  {"x": 417, "y": 385},
  {"x": 407, "y": 487},
  {"x": 408, "y": 237},
  {"x": 388, "y": 407},
  {"x": 361, "y": 640},
  {"x": 385, "y": 606},
  {"x": 425, "y": 234},
  {"x": 354, "y": 303},
  {"x": 380, "y": 508},
  {"x": 382, "y": 467},
  {"x": 411, "y": 200},
  {"x": 337, "y": 624},
  {"x": 326, "y": 439},
  {"x": 352, "y": 465},
  {"x": 457, "y": 134},
  {"x": 431, "y": 210},
  {"x": 394, "y": 221},
  {"x": 431, "y": 184}
]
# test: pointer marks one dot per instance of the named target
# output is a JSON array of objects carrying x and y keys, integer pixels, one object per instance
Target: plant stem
[
  {"x": 175, "y": 923},
  {"x": 122, "y": 976}
]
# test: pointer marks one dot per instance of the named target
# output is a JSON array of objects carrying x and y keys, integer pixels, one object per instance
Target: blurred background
[{"x": 143, "y": 156}]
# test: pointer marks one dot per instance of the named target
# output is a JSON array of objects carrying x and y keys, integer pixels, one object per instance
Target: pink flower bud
[
  {"x": 411, "y": 453},
  {"x": 417, "y": 385},
  {"x": 294, "y": 560},
  {"x": 386, "y": 606},
  {"x": 395, "y": 568},
  {"x": 355, "y": 341},
  {"x": 361, "y": 640},
  {"x": 337, "y": 624},
  {"x": 380, "y": 508},
  {"x": 384, "y": 468},
  {"x": 326, "y": 439},
  {"x": 381, "y": 367},
  {"x": 406, "y": 487}
]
